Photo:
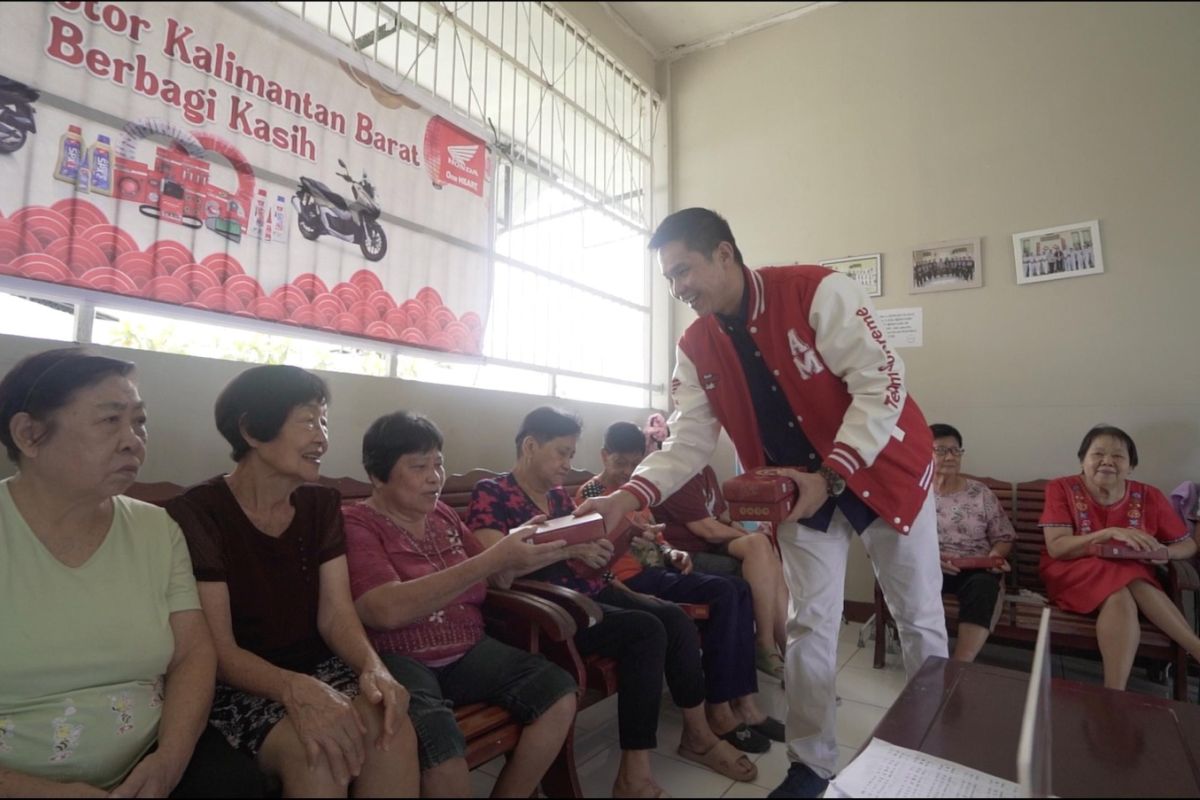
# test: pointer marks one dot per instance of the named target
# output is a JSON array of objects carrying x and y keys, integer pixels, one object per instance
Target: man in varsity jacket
[{"x": 792, "y": 363}]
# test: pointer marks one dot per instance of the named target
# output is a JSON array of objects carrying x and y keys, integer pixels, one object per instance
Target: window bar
[
  {"x": 454, "y": 66},
  {"x": 487, "y": 62},
  {"x": 375, "y": 34}
]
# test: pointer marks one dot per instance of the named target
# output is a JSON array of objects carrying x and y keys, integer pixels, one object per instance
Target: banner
[{"x": 178, "y": 153}]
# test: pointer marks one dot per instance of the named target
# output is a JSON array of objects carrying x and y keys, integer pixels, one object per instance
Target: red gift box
[
  {"x": 570, "y": 529},
  {"x": 1117, "y": 549},
  {"x": 760, "y": 496},
  {"x": 976, "y": 562}
]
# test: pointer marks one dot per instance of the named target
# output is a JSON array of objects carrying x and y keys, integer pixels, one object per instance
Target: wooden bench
[
  {"x": 517, "y": 618},
  {"x": 1021, "y": 612}
]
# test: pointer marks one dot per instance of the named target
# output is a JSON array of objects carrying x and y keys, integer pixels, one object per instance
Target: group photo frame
[
  {"x": 1064, "y": 251},
  {"x": 866, "y": 270},
  {"x": 946, "y": 266}
]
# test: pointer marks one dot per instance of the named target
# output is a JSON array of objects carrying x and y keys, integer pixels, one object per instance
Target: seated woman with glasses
[{"x": 971, "y": 523}]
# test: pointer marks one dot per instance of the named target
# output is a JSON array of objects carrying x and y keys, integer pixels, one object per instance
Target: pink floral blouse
[{"x": 971, "y": 521}]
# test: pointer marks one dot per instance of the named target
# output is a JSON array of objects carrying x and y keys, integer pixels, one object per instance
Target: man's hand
[
  {"x": 154, "y": 776},
  {"x": 811, "y": 491},
  {"x": 680, "y": 560},
  {"x": 612, "y": 508}
]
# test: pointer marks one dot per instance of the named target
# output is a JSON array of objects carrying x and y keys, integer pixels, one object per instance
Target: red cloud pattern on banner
[{"x": 73, "y": 243}]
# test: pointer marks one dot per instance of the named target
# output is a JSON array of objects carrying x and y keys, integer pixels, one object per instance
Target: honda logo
[{"x": 461, "y": 154}]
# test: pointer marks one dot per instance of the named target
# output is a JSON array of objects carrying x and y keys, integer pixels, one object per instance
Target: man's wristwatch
[{"x": 835, "y": 484}]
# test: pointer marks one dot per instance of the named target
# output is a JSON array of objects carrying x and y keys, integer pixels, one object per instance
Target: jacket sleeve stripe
[
  {"x": 644, "y": 491},
  {"x": 839, "y": 458}
]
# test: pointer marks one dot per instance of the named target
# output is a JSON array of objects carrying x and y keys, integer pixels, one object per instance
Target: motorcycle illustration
[
  {"x": 320, "y": 210},
  {"x": 16, "y": 114}
]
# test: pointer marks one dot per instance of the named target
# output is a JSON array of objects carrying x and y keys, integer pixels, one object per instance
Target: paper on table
[{"x": 885, "y": 770}]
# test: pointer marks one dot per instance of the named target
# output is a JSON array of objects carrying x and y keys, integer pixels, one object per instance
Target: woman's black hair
[
  {"x": 624, "y": 437},
  {"x": 260, "y": 399},
  {"x": 1113, "y": 431},
  {"x": 940, "y": 430},
  {"x": 546, "y": 422},
  {"x": 44, "y": 382},
  {"x": 395, "y": 435}
]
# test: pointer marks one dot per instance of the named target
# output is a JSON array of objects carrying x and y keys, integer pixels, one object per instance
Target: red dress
[{"x": 1082, "y": 584}]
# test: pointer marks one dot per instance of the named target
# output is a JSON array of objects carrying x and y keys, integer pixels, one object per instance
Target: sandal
[
  {"x": 747, "y": 738},
  {"x": 771, "y": 728},
  {"x": 770, "y": 662},
  {"x": 723, "y": 759}
]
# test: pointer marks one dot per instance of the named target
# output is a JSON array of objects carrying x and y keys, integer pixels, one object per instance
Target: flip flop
[
  {"x": 723, "y": 759},
  {"x": 747, "y": 739},
  {"x": 769, "y": 662}
]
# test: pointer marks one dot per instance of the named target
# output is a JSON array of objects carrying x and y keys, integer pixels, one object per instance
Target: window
[
  {"x": 574, "y": 141},
  {"x": 124, "y": 328},
  {"x": 23, "y": 314}
]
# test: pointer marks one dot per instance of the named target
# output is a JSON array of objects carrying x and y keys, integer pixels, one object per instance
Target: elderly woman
[
  {"x": 107, "y": 667},
  {"x": 971, "y": 523},
  {"x": 300, "y": 687},
  {"x": 1102, "y": 504},
  {"x": 417, "y": 574}
]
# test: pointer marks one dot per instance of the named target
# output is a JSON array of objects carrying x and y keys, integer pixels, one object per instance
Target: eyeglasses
[{"x": 949, "y": 451}]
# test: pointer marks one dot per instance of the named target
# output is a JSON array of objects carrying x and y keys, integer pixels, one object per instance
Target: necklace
[{"x": 418, "y": 545}]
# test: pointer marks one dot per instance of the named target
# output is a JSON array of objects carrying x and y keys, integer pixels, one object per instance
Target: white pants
[{"x": 814, "y": 567}]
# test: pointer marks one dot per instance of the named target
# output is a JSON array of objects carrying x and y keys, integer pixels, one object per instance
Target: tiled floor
[{"x": 866, "y": 695}]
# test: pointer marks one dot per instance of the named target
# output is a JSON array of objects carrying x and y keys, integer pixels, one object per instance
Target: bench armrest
[
  {"x": 524, "y": 620},
  {"x": 582, "y": 609}
]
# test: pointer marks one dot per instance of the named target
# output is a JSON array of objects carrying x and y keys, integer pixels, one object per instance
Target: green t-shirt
[{"x": 83, "y": 650}]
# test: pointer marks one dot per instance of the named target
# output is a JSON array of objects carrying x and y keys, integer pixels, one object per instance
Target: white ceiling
[{"x": 668, "y": 28}]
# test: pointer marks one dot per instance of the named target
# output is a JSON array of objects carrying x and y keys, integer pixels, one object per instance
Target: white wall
[
  {"x": 185, "y": 447},
  {"x": 874, "y": 127}
]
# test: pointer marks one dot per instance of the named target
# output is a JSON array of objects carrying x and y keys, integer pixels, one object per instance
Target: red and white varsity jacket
[{"x": 818, "y": 335}]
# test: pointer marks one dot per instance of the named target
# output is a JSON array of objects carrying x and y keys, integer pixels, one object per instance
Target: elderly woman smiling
[
  {"x": 1102, "y": 504},
  {"x": 301, "y": 689},
  {"x": 106, "y": 665}
]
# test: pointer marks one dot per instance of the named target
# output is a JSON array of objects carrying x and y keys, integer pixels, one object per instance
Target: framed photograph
[
  {"x": 944, "y": 266},
  {"x": 864, "y": 269},
  {"x": 1068, "y": 251}
]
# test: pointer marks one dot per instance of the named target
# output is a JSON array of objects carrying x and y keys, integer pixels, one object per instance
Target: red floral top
[{"x": 502, "y": 505}]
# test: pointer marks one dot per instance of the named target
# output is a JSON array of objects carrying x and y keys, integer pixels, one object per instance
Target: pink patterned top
[
  {"x": 971, "y": 521},
  {"x": 379, "y": 552}
]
